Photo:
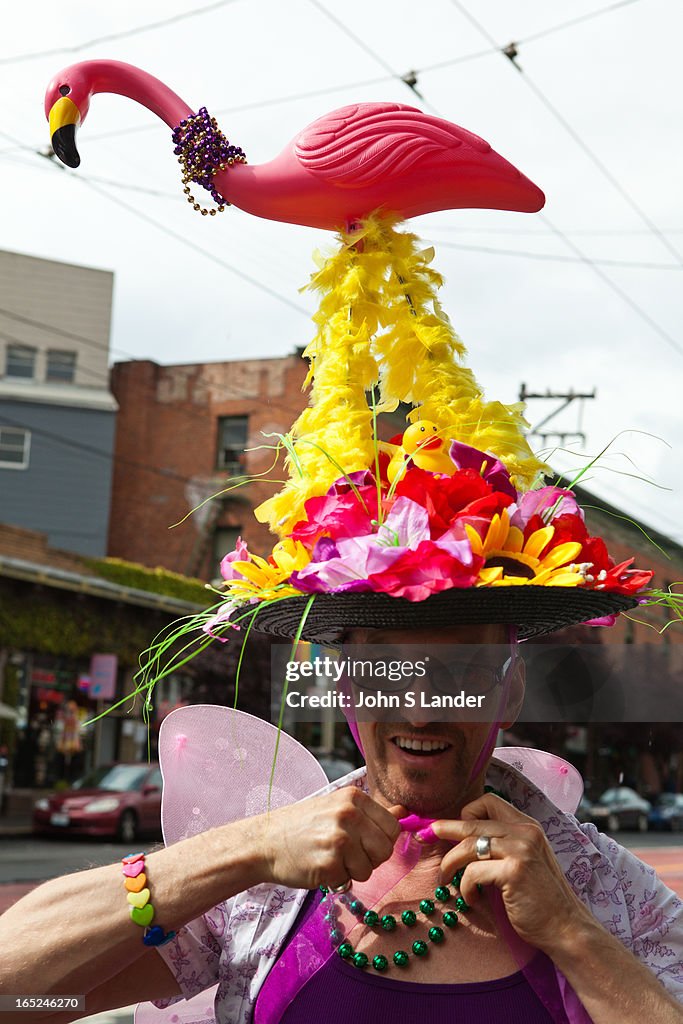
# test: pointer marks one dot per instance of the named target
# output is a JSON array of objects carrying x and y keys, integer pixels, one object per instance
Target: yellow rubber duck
[{"x": 420, "y": 446}]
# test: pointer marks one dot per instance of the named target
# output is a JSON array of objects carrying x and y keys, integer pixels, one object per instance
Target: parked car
[
  {"x": 117, "y": 800},
  {"x": 619, "y": 808},
  {"x": 667, "y": 812},
  {"x": 334, "y": 767},
  {"x": 583, "y": 811}
]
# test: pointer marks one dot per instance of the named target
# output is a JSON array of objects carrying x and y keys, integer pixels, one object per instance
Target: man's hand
[
  {"x": 328, "y": 840},
  {"x": 540, "y": 904}
]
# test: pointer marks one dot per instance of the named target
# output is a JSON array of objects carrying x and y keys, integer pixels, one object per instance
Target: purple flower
[{"x": 491, "y": 469}]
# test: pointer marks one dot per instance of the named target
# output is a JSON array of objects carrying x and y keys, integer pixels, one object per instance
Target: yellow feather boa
[{"x": 379, "y": 323}]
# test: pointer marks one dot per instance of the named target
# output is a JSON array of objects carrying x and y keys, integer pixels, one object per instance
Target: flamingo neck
[{"x": 126, "y": 80}]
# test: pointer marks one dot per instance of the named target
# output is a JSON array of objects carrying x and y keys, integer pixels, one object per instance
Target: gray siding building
[{"x": 57, "y": 416}]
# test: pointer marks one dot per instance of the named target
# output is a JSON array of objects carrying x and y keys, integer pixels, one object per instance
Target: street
[{"x": 25, "y": 862}]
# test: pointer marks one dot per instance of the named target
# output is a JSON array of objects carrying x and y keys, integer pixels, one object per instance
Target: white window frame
[
  {"x": 51, "y": 379},
  {"x": 32, "y": 350},
  {"x": 26, "y": 455}
]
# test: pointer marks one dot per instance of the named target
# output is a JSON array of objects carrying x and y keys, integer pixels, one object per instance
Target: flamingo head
[
  {"x": 66, "y": 104},
  {"x": 421, "y": 435}
]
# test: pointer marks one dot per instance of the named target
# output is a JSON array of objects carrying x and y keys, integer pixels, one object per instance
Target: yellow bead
[{"x": 138, "y": 899}]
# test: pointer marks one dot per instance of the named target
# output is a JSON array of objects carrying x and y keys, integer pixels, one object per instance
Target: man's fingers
[
  {"x": 385, "y": 818},
  {"x": 377, "y": 844},
  {"x": 491, "y": 806},
  {"x": 358, "y": 863}
]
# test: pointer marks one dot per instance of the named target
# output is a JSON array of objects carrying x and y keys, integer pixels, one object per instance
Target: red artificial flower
[
  {"x": 427, "y": 570},
  {"x": 621, "y": 579},
  {"x": 444, "y": 497},
  {"x": 603, "y": 573}
]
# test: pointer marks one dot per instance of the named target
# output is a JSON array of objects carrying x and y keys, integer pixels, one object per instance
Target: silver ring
[
  {"x": 339, "y": 889},
  {"x": 482, "y": 848}
]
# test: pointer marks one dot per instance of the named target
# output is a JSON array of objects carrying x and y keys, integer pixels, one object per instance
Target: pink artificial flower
[
  {"x": 220, "y": 618},
  {"x": 339, "y": 513},
  {"x": 343, "y": 565},
  {"x": 400, "y": 559},
  {"x": 427, "y": 570},
  {"x": 346, "y": 563},
  {"x": 542, "y": 501},
  {"x": 240, "y": 554}
]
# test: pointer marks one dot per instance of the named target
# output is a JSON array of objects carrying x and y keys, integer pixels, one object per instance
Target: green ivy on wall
[
  {"x": 61, "y": 622},
  {"x": 159, "y": 581}
]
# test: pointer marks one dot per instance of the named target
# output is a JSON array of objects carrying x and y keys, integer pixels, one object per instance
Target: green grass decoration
[{"x": 285, "y": 688}]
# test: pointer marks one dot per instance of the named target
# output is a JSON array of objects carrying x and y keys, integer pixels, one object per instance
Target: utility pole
[{"x": 565, "y": 398}]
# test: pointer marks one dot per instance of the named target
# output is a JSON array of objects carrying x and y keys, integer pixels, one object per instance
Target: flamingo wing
[{"x": 360, "y": 145}]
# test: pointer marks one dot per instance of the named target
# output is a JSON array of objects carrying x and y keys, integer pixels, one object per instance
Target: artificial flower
[
  {"x": 346, "y": 563},
  {"x": 427, "y": 570},
  {"x": 265, "y": 579},
  {"x": 547, "y": 502},
  {"x": 240, "y": 554},
  {"x": 622, "y": 579},
  {"x": 443, "y": 497},
  {"x": 400, "y": 559},
  {"x": 222, "y": 616},
  {"x": 342, "y": 512},
  {"x": 511, "y": 559},
  {"x": 487, "y": 466}
]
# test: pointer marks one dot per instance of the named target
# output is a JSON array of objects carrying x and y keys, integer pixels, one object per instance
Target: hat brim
[{"x": 535, "y": 611}]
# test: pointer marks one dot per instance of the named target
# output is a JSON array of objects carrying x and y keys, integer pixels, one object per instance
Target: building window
[
  {"x": 61, "y": 366},
  {"x": 15, "y": 446},
  {"x": 21, "y": 361},
  {"x": 232, "y": 440}
]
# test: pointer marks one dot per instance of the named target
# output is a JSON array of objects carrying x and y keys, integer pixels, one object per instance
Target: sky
[{"x": 586, "y": 295}]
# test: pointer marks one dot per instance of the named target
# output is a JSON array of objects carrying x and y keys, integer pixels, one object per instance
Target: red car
[{"x": 117, "y": 800}]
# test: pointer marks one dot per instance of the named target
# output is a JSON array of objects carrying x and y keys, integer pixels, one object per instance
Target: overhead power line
[
  {"x": 361, "y": 83},
  {"x": 80, "y": 446},
  {"x": 510, "y": 52},
  {"x": 546, "y": 256},
  {"x": 111, "y": 36},
  {"x": 197, "y": 248},
  {"x": 625, "y": 297},
  {"x": 409, "y": 79}
]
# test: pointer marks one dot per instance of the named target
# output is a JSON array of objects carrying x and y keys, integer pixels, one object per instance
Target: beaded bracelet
[{"x": 137, "y": 894}]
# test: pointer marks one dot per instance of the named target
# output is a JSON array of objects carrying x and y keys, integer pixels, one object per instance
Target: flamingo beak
[{"x": 64, "y": 117}]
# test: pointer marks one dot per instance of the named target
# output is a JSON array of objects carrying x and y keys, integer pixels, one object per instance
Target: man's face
[{"x": 432, "y": 782}]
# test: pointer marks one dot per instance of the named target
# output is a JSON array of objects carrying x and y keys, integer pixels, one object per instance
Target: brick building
[{"x": 181, "y": 439}]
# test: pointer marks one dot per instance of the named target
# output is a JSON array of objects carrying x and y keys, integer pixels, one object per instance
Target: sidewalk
[
  {"x": 17, "y": 816},
  {"x": 15, "y": 825}
]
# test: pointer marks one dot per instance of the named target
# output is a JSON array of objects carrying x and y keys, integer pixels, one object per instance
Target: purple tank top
[
  {"x": 338, "y": 993},
  {"x": 341, "y": 994}
]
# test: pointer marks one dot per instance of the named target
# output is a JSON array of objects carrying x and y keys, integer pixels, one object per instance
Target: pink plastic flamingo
[{"x": 337, "y": 170}]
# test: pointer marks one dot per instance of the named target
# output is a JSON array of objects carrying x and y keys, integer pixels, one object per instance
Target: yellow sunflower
[
  {"x": 510, "y": 562},
  {"x": 266, "y": 581}
]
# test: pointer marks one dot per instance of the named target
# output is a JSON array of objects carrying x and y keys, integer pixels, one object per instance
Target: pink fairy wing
[
  {"x": 559, "y": 780},
  {"x": 360, "y": 145},
  {"x": 216, "y": 765}
]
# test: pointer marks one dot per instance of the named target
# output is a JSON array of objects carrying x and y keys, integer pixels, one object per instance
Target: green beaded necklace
[{"x": 388, "y": 923}]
